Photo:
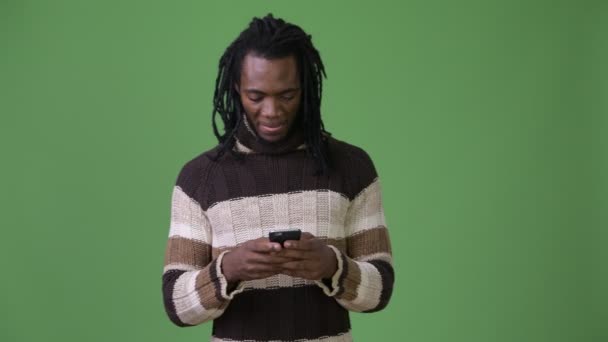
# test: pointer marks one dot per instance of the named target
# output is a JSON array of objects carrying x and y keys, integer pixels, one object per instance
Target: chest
[{"x": 237, "y": 220}]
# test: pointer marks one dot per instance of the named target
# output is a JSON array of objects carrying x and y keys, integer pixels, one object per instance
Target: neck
[{"x": 248, "y": 141}]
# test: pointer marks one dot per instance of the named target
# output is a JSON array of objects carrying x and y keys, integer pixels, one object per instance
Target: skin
[
  {"x": 270, "y": 93},
  {"x": 309, "y": 258}
]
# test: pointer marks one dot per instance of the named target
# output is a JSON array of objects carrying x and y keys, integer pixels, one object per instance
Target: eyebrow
[{"x": 257, "y": 91}]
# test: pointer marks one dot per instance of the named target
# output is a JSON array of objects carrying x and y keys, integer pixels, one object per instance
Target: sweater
[{"x": 217, "y": 205}]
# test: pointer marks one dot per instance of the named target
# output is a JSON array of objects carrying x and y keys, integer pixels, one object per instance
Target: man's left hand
[{"x": 313, "y": 259}]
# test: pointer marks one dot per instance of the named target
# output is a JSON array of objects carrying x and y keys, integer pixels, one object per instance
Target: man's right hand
[{"x": 254, "y": 259}]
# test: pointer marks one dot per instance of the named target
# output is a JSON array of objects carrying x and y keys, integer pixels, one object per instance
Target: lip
[{"x": 271, "y": 129}]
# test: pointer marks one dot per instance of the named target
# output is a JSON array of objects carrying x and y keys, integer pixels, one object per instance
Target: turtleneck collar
[{"x": 247, "y": 141}]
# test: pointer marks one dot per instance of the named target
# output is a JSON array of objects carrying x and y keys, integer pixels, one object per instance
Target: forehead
[{"x": 269, "y": 75}]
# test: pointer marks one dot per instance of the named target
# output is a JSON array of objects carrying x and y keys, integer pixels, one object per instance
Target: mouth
[{"x": 272, "y": 129}]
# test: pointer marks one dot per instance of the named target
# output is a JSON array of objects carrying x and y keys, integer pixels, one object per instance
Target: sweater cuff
[
  {"x": 330, "y": 286},
  {"x": 225, "y": 290}
]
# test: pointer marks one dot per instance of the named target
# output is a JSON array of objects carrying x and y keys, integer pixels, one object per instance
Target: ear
[{"x": 236, "y": 87}]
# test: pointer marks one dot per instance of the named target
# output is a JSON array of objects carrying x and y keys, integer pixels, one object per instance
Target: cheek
[
  {"x": 293, "y": 107},
  {"x": 250, "y": 108}
]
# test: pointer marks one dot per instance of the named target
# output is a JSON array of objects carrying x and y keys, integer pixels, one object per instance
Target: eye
[
  {"x": 256, "y": 99},
  {"x": 287, "y": 98}
]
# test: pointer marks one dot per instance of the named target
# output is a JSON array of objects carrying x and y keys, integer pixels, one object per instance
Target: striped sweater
[{"x": 217, "y": 205}]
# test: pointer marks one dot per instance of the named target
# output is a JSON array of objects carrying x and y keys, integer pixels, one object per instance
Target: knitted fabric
[{"x": 217, "y": 205}]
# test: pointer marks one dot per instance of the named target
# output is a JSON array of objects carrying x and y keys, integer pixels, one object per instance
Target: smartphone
[{"x": 284, "y": 235}]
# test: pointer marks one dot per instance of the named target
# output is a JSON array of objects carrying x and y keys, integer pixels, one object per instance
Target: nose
[{"x": 270, "y": 108}]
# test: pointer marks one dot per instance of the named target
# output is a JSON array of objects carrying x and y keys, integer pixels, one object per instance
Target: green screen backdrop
[{"x": 486, "y": 120}]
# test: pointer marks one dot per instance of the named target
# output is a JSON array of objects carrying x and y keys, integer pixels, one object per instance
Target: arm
[
  {"x": 193, "y": 285},
  {"x": 365, "y": 276}
]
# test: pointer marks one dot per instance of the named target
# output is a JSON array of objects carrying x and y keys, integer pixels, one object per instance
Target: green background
[{"x": 487, "y": 122}]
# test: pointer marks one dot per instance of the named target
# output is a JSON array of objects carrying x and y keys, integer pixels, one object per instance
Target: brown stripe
[
  {"x": 185, "y": 251},
  {"x": 368, "y": 242},
  {"x": 340, "y": 244},
  {"x": 207, "y": 286},
  {"x": 351, "y": 280},
  {"x": 253, "y": 176},
  {"x": 215, "y": 252}
]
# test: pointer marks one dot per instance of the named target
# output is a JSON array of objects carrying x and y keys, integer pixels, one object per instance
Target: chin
[{"x": 273, "y": 138}]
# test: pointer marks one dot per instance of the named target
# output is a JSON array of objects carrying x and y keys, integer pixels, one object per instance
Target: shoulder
[
  {"x": 344, "y": 151},
  {"x": 195, "y": 172},
  {"x": 354, "y": 163}
]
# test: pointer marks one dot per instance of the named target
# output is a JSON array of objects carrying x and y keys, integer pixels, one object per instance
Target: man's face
[{"x": 270, "y": 93}]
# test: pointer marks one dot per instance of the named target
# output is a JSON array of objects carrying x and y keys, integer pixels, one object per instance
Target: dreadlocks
[{"x": 270, "y": 38}]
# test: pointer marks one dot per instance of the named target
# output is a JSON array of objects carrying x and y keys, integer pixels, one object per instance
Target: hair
[{"x": 272, "y": 38}]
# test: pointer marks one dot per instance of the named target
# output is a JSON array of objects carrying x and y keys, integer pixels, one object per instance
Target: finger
[
  {"x": 261, "y": 268},
  {"x": 266, "y": 258},
  {"x": 306, "y": 236},
  {"x": 295, "y": 266},
  {"x": 294, "y": 254},
  {"x": 273, "y": 259},
  {"x": 257, "y": 270},
  {"x": 299, "y": 244},
  {"x": 263, "y": 275},
  {"x": 292, "y": 273},
  {"x": 263, "y": 245}
]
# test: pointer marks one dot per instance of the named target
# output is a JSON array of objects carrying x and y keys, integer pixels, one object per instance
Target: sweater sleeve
[
  {"x": 365, "y": 276},
  {"x": 193, "y": 285}
]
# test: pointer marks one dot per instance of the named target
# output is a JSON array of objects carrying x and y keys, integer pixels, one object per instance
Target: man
[{"x": 275, "y": 168}]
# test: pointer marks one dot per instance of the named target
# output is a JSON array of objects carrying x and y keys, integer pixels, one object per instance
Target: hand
[
  {"x": 254, "y": 259},
  {"x": 310, "y": 258}
]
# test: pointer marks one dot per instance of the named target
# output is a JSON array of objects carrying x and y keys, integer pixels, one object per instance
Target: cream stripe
[
  {"x": 281, "y": 210},
  {"x": 239, "y": 147},
  {"x": 366, "y": 211},
  {"x": 321, "y": 213},
  {"x": 370, "y": 288},
  {"x": 376, "y": 256},
  {"x": 322, "y": 218},
  {"x": 187, "y": 303},
  {"x": 368, "y": 291},
  {"x": 346, "y": 337},
  {"x": 187, "y": 218},
  {"x": 224, "y": 281},
  {"x": 190, "y": 232},
  {"x": 220, "y": 217},
  {"x": 245, "y": 219},
  {"x": 336, "y": 277},
  {"x": 180, "y": 267}
]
